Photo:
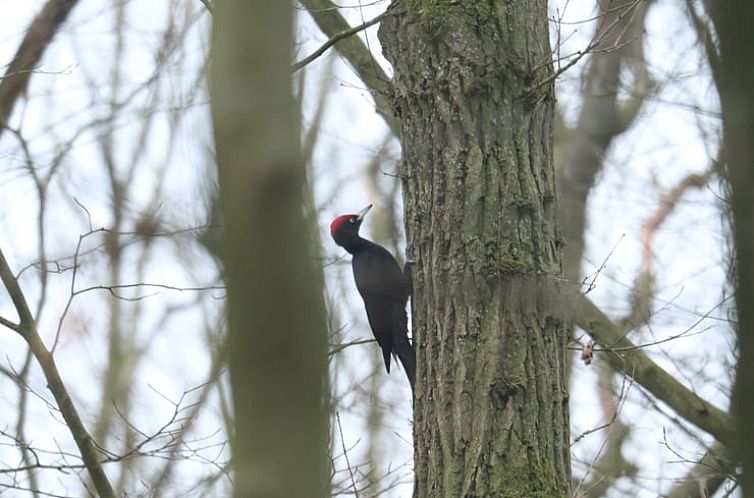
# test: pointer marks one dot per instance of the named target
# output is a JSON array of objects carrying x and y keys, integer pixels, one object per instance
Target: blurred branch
[
  {"x": 341, "y": 347},
  {"x": 626, "y": 357},
  {"x": 219, "y": 362},
  {"x": 345, "y": 454},
  {"x": 311, "y": 136},
  {"x": 208, "y": 5},
  {"x": 384, "y": 220},
  {"x": 618, "y": 41},
  {"x": 610, "y": 466},
  {"x": 668, "y": 203},
  {"x": 706, "y": 477},
  {"x": 641, "y": 299},
  {"x": 167, "y": 442},
  {"x": 356, "y": 52},
  {"x": 38, "y": 37},
  {"x": 611, "y": 463}
]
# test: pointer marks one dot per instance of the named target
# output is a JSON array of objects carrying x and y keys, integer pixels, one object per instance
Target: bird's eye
[{"x": 351, "y": 220}]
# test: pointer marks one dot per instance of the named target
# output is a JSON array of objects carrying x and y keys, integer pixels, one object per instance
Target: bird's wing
[
  {"x": 381, "y": 320},
  {"x": 378, "y": 274}
]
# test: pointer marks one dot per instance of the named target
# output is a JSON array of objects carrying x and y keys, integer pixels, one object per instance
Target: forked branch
[{"x": 27, "y": 328}]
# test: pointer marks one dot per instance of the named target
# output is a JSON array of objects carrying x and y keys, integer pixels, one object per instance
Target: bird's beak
[{"x": 360, "y": 215}]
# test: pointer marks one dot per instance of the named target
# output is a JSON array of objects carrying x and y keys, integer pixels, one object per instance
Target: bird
[{"x": 384, "y": 288}]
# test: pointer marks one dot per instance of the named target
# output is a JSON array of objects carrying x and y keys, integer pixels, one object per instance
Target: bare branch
[
  {"x": 345, "y": 455},
  {"x": 641, "y": 296},
  {"x": 624, "y": 356},
  {"x": 707, "y": 476},
  {"x": 336, "y": 38},
  {"x": 600, "y": 119},
  {"x": 355, "y": 51},
  {"x": 29, "y": 53},
  {"x": 668, "y": 203},
  {"x": 28, "y": 330}
]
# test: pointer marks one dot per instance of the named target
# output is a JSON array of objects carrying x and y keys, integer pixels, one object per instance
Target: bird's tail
[{"x": 403, "y": 347}]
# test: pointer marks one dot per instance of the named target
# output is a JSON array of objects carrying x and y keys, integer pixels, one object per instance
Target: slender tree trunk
[
  {"x": 735, "y": 79},
  {"x": 475, "y": 100},
  {"x": 276, "y": 322}
]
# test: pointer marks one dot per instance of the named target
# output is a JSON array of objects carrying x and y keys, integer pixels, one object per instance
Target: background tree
[
  {"x": 276, "y": 324},
  {"x": 730, "y": 60}
]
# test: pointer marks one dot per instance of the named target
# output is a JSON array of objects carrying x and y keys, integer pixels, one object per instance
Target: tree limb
[
  {"x": 38, "y": 37},
  {"x": 355, "y": 51},
  {"x": 336, "y": 38},
  {"x": 27, "y": 328},
  {"x": 626, "y": 357}
]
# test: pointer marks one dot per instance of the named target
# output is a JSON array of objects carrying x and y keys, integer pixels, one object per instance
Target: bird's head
[{"x": 345, "y": 228}]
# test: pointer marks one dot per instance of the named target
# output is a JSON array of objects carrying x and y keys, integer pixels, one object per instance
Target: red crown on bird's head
[{"x": 340, "y": 220}]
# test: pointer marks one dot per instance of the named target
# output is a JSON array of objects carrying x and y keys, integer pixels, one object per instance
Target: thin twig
[
  {"x": 345, "y": 454},
  {"x": 336, "y": 38}
]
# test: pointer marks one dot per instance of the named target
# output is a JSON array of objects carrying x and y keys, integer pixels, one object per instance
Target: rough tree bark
[
  {"x": 276, "y": 322},
  {"x": 473, "y": 91}
]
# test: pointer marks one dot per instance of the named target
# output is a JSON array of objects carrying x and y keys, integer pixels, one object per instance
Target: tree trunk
[
  {"x": 735, "y": 79},
  {"x": 276, "y": 321},
  {"x": 475, "y": 99}
]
